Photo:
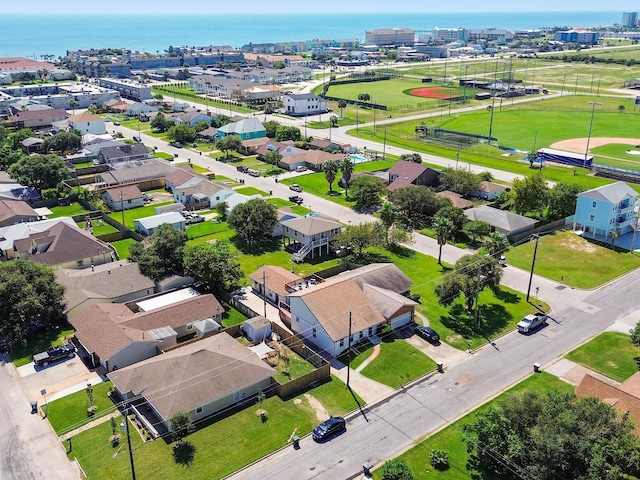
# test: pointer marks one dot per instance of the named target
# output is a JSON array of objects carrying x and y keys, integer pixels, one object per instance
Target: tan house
[
  {"x": 269, "y": 281},
  {"x": 312, "y": 234},
  {"x": 405, "y": 173},
  {"x": 123, "y": 198},
  {"x": 16, "y": 211}
]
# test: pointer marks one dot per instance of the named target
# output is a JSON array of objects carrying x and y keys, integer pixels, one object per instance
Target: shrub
[{"x": 439, "y": 459}]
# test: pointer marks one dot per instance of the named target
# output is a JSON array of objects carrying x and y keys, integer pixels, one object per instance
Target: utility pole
[
  {"x": 125, "y": 426},
  {"x": 533, "y": 263},
  {"x": 384, "y": 145},
  {"x": 349, "y": 351},
  {"x": 264, "y": 292},
  {"x": 122, "y": 206}
]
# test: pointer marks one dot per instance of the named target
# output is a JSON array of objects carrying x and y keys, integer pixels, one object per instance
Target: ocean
[{"x": 37, "y": 35}]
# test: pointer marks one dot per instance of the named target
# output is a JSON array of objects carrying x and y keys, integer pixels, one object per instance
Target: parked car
[
  {"x": 190, "y": 219},
  {"x": 242, "y": 169},
  {"x": 52, "y": 354},
  {"x": 301, "y": 168},
  {"x": 117, "y": 124},
  {"x": 253, "y": 173},
  {"x": 428, "y": 333},
  {"x": 296, "y": 199},
  {"x": 329, "y": 428},
  {"x": 175, "y": 144},
  {"x": 295, "y": 187},
  {"x": 531, "y": 322},
  {"x": 36, "y": 326}
]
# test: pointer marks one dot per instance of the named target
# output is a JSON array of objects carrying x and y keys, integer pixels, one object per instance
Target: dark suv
[
  {"x": 52, "y": 354},
  {"x": 329, "y": 428}
]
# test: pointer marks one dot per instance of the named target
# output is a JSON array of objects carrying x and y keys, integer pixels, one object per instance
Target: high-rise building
[{"x": 630, "y": 19}]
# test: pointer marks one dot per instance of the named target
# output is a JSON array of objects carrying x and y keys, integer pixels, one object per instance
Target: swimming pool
[{"x": 355, "y": 158}]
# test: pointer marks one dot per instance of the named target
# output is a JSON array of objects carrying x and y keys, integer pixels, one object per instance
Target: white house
[
  {"x": 88, "y": 123},
  {"x": 298, "y": 104},
  {"x": 148, "y": 225},
  {"x": 123, "y": 198},
  {"x": 199, "y": 192}
]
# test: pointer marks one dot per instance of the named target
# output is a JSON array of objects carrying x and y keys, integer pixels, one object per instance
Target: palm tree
[
  {"x": 614, "y": 235},
  {"x": 346, "y": 165},
  {"x": 333, "y": 120},
  {"x": 330, "y": 169},
  {"x": 495, "y": 244},
  {"x": 73, "y": 104},
  {"x": 442, "y": 226},
  {"x": 341, "y": 104},
  {"x": 387, "y": 214}
]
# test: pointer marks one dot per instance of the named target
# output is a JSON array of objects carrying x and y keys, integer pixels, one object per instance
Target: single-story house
[
  {"x": 489, "y": 190},
  {"x": 123, "y": 153},
  {"x": 32, "y": 145},
  {"x": 191, "y": 119},
  {"x": 137, "y": 109},
  {"x": 116, "y": 282},
  {"x": 201, "y": 378},
  {"x": 149, "y": 225},
  {"x": 371, "y": 296},
  {"x": 39, "y": 118},
  {"x": 313, "y": 159},
  {"x": 199, "y": 192},
  {"x": 238, "y": 199},
  {"x": 324, "y": 144},
  {"x": 246, "y": 129},
  {"x": 58, "y": 243},
  {"x": 208, "y": 133},
  {"x": 456, "y": 199},
  {"x": 251, "y": 146},
  {"x": 115, "y": 337},
  {"x": 501, "y": 221},
  {"x": 16, "y": 211},
  {"x": 123, "y": 198},
  {"x": 624, "y": 397},
  {"x": 178, "y": 176},
  {"x": 405, "y": 173}
]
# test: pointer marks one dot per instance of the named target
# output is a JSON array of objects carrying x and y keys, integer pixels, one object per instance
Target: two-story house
[
  {"x": 603, "y": 210},
  {"x": 302, "y": 104},
  {"x": 312, "y": 233}
]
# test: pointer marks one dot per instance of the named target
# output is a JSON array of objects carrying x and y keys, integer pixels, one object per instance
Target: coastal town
[{"x": 408, "y": 255}]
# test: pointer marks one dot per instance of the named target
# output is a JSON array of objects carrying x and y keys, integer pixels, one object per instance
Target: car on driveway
[
  {"x": 296, "y": 199},
  {"x": 296, "y": 188},
  {"x": 52, "y": 354},
  {"x": 329, "y": 428},
  {"x": 428, "y": 333}
]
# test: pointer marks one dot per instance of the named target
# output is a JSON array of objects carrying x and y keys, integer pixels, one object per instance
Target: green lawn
[
  {"x": 70, "y": 412},
  {"x": 450, "y": 438},
  {"x": 398, "y": 363},
  {"x": 99, "y": 227},
  {"x": 163, "y": 155},
  {"x": 246, "y": 439},
  {"x": 615, "y": 155},
  {"x": 251, "y": 191},
  {"x": 135, "y": 213},
  {"x": 297, "y": 367},
  {"x": 206, "y": 228},
  {"x": 562, "y": 254},
  {"x": 231, "y": 316},
  {"x": 122, "y": 247},
  {"x": 68, "y": 211},
  {"x": 610, "y": 353},
  {"x": 39, "y": 342}
]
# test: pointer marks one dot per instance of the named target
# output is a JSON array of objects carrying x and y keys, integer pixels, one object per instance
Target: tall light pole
[
  {"x": 593, "y": 110},
  {"x": 349, "y": 351},
  {"x": 533, "y": 264},
  {"x": 493, "y": 100}
]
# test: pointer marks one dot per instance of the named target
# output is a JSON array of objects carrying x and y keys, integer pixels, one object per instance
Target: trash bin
[
  {"x": 296, "y": 442},
  {"x": 440, "y": 368},
  {"x": 366, "y": 468},
  {"x": 536, "y": 367},
  {"x": 34, "y": 407}
]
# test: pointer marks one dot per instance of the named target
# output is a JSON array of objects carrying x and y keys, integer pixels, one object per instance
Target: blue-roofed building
[{"x": 246, "y": 129}]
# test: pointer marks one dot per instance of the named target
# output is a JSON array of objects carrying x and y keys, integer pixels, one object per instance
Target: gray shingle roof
[
  {"x": 613, "y": 193},
  {"x": 500, "y": 219}
]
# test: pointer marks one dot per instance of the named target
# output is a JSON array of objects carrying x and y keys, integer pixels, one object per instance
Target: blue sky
[{"x": 292, "y": 6}]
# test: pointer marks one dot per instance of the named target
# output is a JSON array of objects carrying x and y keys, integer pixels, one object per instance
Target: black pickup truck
[{"x": 52, "y": 354}]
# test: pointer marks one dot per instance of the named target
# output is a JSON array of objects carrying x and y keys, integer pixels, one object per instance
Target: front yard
[
  {"x": 70, "y": 412},
  {"x": 610, "y": 353},
  {"x": 223, "y": 446}
]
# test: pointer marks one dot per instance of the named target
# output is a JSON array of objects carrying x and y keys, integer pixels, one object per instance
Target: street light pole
[
  {"x": 593, "y": 110},
  {"x": 126, "y": 428}
]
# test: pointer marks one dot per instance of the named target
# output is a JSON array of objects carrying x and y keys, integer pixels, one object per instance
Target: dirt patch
[
  {"x": 578, "y": 244},
  {"x": 321, "y": 412},
  {"x": 578, "y": 145},
  {"x": 432, "y": 92}
]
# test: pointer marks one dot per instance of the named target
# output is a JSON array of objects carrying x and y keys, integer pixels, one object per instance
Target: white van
[{"x": 253, "y": 173}]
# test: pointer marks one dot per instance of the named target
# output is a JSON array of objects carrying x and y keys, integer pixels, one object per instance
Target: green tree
[
  {"x": 200, "y": 126},
  {"x": 364, "y": 97},
  {"x": 342, "y": 105},
  {"x": 184, "y": 453},
  {"x": 475, "y": 230},
  {"x": 330, "y": 169},
  {"x": 160, "y": 123},
  {"x": 253, "y": 219},
  {"x": 333, "y": 120},
  {"x": 215, "y": 264},
  {"x": 162, "y": 254},
  {"x": 367, "y": 191},
  {"x": 182, "y": 133},
  {"x": 8, "y": 157},
  {"x": 40, "y": 171},
  {"x": 496, "y": 244},
  {"x": 271, "y": 126},
  {"x": 396, "y": 469},
  {"x": 62, "y": 141},
  {"x": 346, "y": 167},
  {"x": 459, "y": 181},
  {"x": 229, "y": 143},
  {"x": 221, "y": 210},
  {"x": 284, "y": 133},
  {"x": 29, "y": 293},
  {"x": 416, "y": 205},
  {"x": 552, "y": 436},
  {"x": 457, "y": 218},
  {"x": 273, "y": 157},
  {"x": 220, "y": 120},
  {"x": 387, "y": 214},
  {"x": 181, "y": 425},
  {"x": 530, "y": 195},
  {"x": 635, "y": 335},
  {"x": 362, "y": 236},
  {"x": 73, "y": 104},
  {"x": 443, "y": 227},
  {"x": 471, "y": 275},
  {"x": 562, "y": 200},
  {"x": 411, "y": 157},
  {"x": 15, "y": 139}
]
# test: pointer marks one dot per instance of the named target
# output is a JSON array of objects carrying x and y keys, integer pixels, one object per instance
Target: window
[
  {"x": 370, "y": 331},
  {"x": 593, "y": 204},
  {"x": 198, "y": 410},
  {"x": 361, "y": 334},
  {"x": 592, "y": 218},
  {"x": 342, "y": 342},
  {"x": 190, "y": 327},
  {"x": 313, "y": 331}
]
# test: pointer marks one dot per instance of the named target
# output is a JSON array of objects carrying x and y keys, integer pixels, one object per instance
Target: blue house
[
  {"x": 246, "y": 129},
  {"x": 603, "y": 210}
]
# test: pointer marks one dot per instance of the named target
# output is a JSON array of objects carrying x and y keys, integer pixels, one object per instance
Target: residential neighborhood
[{"x": 273, "y": 246}]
